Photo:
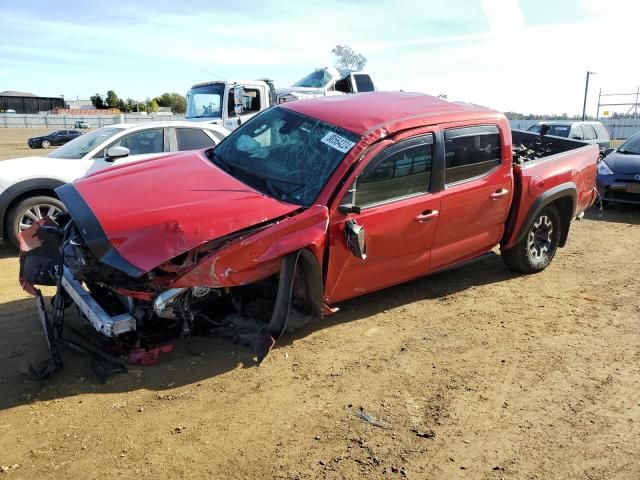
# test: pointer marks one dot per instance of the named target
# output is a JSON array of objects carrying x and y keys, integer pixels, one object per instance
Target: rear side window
[
  {"x": 192, "y": 139},
  {"x": 470, "y": 152},
  {"x": 400, "y": 171},
  {"x": 363, "y": 82},
  {"x": 601, "y": 131},
  {"x": 577, "y": 133},
  {"x": 589, "y": 132}
]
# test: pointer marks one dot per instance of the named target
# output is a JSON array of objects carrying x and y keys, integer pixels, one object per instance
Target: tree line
[{"x": 175, "y": 101}]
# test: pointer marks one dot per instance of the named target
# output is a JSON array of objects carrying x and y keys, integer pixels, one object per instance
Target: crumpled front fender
[{"x": 256, "y": 256}]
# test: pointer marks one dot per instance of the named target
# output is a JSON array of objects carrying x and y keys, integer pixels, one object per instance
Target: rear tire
[
  {"x": 537, "y": 248},
  {"x": 27, "y": 212}
]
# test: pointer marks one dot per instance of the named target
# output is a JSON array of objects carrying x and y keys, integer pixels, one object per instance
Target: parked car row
[{"x": 27, "y": 184}]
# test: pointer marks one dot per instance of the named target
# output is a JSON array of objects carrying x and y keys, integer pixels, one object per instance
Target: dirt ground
[{"x": 476, "y": 373}]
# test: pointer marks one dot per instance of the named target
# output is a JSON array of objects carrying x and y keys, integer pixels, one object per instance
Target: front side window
[
  {"x": 399, "y": 171},
  {"x": 205, "y": 101},
  {"x": 80, "y": 146},
  {"x": 284, "y": 154},
  {"x": 192, "y": 139},
  {"x": 250, "y": 102},
  {"x": 143, "y": 142},
  {"x": 470, "y": 152}
]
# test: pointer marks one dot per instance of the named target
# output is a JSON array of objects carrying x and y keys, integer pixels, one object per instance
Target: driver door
[{"x": 399, "y": 216}]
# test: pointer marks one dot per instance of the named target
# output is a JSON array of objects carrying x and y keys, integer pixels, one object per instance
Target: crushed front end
[{"x": 249, "y": 285}]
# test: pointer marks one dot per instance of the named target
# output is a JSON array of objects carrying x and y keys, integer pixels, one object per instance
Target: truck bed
[{"x": 544, "y": 166}]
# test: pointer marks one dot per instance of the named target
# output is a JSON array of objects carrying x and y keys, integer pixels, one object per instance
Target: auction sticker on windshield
[{"x": 336, "y": 141}]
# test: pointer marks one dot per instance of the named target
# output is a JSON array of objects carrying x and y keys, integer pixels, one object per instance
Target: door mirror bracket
[
  {"x": 356, "y": 239},
  {"x": 348, "y": 208}
]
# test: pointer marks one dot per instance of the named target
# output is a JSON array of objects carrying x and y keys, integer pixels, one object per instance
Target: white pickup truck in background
[{"x": 231, "y": 103}]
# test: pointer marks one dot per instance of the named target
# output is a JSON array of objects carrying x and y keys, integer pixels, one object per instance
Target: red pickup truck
[{"x": 307, "y": 204}]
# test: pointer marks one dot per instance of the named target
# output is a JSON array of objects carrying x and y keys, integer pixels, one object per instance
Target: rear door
[
  {"x": 399, "y": 216},
  {"x": 59, "y": 137},
  {"x": 478, "y": 185}
]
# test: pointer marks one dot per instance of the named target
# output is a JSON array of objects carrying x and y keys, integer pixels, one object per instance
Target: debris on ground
[
  {"x": 424, "y": 434},
  {"x": 8, "y": 468},
  {"x": 361, "y": 414},
  {"x": 148, "y": 357}
]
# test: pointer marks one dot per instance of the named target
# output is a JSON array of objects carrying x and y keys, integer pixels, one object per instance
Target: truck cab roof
[{"x": 392, "y": 110}]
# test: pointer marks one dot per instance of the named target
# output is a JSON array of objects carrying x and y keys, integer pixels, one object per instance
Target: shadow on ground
[
  {"x": 200, "y": 358},
  {"x": 615, "y": 212}
]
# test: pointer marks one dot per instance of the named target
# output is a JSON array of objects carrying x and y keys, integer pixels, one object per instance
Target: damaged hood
[{"x": 148, "y": 212}]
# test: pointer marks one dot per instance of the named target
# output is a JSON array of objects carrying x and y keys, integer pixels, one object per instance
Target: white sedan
[{"x": 27, "y": 184}]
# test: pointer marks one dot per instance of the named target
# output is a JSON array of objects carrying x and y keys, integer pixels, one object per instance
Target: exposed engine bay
[{"x": 121, "y": 313}]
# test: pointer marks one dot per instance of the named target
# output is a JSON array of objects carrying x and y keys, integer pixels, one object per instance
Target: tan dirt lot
[{"x": 513, "y": 377}]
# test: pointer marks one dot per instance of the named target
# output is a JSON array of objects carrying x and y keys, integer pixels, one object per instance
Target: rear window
[{"x": 363, "y": 83}]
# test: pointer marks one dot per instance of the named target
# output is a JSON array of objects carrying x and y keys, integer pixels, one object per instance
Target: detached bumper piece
[{"x": 101, "y": 320}]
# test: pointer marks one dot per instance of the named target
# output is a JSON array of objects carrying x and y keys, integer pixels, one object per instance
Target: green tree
[
  {"x": 112, "y": 99},
  {"x": 176, "y": 101},
  {"x": 97, "y": 101},
  {"x": 152, "y": 105},
  {"x": 121, "y": 105},
  {"x": 131, "y": 105},
  {"x": 347, "y": 58}
]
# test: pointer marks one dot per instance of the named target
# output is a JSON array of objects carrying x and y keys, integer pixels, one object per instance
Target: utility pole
[{"x": 586, "y": 89}]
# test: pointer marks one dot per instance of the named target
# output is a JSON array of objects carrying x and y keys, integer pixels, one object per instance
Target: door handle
[
  {"x": 427, "y": 215},
  {"x": 498, "y": 194}
]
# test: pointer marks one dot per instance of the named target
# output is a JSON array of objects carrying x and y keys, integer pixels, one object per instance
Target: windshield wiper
[{"x": 218, "y": 160}]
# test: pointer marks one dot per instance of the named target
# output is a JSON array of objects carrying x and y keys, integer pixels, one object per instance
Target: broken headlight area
[{"x": 120, "y": 313}]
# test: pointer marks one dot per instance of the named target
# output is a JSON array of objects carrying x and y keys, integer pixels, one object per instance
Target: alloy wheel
[
  {"x": 36, "y": 213},
  {"x": 540, "y": 237}
]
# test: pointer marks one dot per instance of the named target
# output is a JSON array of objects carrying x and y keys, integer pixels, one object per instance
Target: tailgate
[{"x": 538, "y": 180}]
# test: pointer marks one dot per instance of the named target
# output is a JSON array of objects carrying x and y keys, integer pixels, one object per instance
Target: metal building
[{"x": 23, "y": 102}]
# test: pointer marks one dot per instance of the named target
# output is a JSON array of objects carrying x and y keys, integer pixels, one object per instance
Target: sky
[{"x": 529, "y": 56}]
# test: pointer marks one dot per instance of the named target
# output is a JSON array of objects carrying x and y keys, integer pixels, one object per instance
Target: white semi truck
[{"x": 231, "y": 103}]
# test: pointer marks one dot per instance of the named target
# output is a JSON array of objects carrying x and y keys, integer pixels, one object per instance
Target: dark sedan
[
  {"x": 619, "y": 173},
  {"x": 55, "y": 138}
]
